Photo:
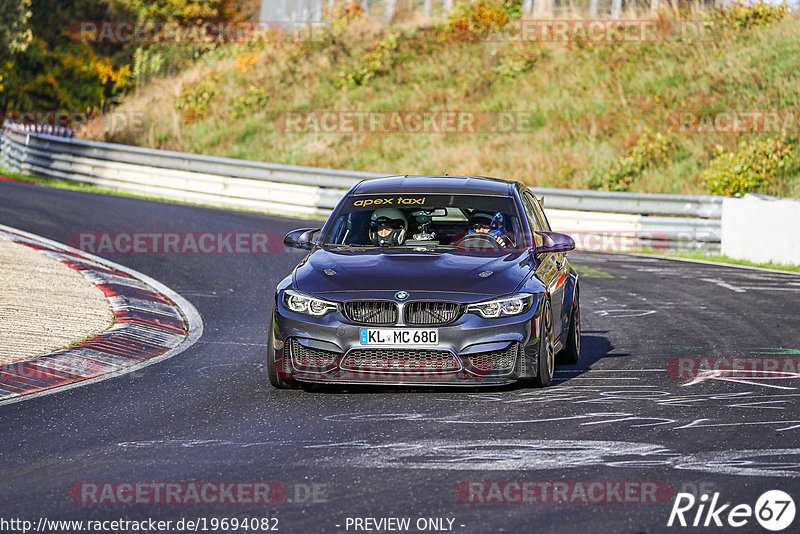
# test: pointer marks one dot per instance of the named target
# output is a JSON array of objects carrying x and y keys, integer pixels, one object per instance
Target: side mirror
[
  {"x": 554, "y": 242},
  {"x": 302, "y": 238}
]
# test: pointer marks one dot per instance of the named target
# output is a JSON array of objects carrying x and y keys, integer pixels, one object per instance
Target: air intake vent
[
  {"x": 431, "y": 313},
  {"x": 311, "y": 360},
  {"x": 371, "y": 311},
  {"x": 401, "y": 361},
  {"x": 500, "y": 362}
]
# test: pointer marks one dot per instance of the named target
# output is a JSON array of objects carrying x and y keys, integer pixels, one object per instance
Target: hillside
[{"x": 602, "y": 115}]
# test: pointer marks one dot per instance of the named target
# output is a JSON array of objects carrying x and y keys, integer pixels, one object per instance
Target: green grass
[
  {"x": 593, "y": 272},
  {"x": 77, "y": 186},
  {"x": 725, "y": 259},
  {"x": 52, "y": 182},
  {"x": 589, "y": 102}
]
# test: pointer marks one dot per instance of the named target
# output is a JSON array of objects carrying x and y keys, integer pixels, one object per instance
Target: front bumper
[{"x": 472, "y": 351}]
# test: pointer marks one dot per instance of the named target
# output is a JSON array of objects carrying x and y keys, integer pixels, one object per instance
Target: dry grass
[{"x": 590, "y": 102}]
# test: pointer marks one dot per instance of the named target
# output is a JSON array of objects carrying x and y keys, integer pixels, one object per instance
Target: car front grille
[
  {"x": 371, "y": 311},
  {"x": 311, "y": 360},
  {"x": 401, "y": 361},
  {"x": 497, "y": 362},
  {"x": 431, "y": 313}
]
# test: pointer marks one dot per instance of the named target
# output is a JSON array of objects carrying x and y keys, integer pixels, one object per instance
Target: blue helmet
[{"x": 495, "y": 222}]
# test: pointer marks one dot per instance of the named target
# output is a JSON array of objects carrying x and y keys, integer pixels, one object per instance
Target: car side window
[
  {"x": 533, "y": 219},
  {"x": 540, "y": 216}
]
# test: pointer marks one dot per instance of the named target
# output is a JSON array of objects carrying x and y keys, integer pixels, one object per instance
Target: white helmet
[{"x": 394, "y": 219}]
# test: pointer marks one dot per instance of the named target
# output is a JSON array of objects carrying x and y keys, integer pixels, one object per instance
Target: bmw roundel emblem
[{"x": 401, "y": 295}]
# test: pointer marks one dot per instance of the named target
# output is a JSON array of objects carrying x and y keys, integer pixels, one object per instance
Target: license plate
[{"x": 399, "y": 336}]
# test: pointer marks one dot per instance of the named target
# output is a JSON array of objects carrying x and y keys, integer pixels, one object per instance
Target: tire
[
  {"x": 572, "y": 352},
  {"x": 274, "y": 379},
  {"x": 546, "y": 361}
]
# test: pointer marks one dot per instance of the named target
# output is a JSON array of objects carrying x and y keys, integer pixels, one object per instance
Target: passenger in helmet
[
  {"x": 388, "y": 227},
  {"x": 482, "y": 222},
  {"x": 492, "y": 224}
]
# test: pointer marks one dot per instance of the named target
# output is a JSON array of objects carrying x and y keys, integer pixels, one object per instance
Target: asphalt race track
[{"x": 208, "y": 414}]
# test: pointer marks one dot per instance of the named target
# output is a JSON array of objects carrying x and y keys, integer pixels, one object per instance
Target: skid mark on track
[
  {"x": 530, "y": 455},
  {"x": 506, "y": 455}
]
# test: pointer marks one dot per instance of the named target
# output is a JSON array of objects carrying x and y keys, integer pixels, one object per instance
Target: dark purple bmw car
[{"x": 447, "y": 280}]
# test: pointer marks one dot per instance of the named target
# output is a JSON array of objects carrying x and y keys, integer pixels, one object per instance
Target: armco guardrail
[{"x": 675, "y": 221}]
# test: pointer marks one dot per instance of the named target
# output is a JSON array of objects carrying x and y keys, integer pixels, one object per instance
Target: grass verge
[
  {"x": 76, "y": 186},
  {"x": 700, "y": 256}
]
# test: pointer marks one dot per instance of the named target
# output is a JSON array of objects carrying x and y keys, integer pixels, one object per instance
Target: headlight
[
  {"x": 503, "y": 307},
  {"x": 300, "y": 303}
]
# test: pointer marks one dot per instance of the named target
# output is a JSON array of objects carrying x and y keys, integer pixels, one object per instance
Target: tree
[{"x": 15, "y": 32}]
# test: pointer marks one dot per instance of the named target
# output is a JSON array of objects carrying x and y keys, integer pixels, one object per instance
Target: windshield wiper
[{"x": 338, "y": 245}]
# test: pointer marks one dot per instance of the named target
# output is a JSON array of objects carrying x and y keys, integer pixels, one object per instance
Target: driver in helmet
[
  {"x": 388, "y": 227},
  {"x": 487, "y": 223}
]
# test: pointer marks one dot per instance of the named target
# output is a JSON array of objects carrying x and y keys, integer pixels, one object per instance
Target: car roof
[{"x": 465, "y": 185}]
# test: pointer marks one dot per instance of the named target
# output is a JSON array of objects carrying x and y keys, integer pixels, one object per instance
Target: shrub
[
  {"x": 650, "y": 151},
  {"x": 254, "y": 98},
  {"x": 518, "y": 61},
  {"x": 741, "y": 16},
  {"x": 472, "y": 21},
  {"x": 152, "y": 61},
  {"x": 753, "y": 167},
  {"x": 194, "y": 103},
  {"x": 376, "y": 62},
  {"x": 342, "y": 13}
]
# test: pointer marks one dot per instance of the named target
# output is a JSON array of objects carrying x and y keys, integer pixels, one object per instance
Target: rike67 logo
[{"x": 774, "y": 510}]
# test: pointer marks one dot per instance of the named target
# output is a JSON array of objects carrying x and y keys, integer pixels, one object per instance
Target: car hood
[{"x": 338, "y": 270}]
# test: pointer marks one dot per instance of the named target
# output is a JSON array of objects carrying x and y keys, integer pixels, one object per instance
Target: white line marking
[
  {"x": 738, "y": 381},
  {"x": 693, "y": 425},
  {"x": 717, "y": 375},
  {"x": 571, "y": 385},
  {"x": 619, "y": 314},
  {"x": 722, "y": 283},
  {"x": 766, "y": 288},
  {"x": 608, "y": 378},
  {"x": 759, "y": 404},
  {"x": 712, "y": 263},
  {"x": 193, "y": 318}
]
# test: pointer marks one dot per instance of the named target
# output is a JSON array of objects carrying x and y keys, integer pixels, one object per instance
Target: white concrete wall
[{"x": 761, "y": 229}]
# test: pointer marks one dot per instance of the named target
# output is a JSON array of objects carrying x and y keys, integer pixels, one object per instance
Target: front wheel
[
  {"x": 274, "y": 379},
  {"x": 546, "y": 360},
  {"x": 572, "y": 352}
]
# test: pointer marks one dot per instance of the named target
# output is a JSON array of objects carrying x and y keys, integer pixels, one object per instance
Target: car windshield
[{"x": 424, "y": 220}]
